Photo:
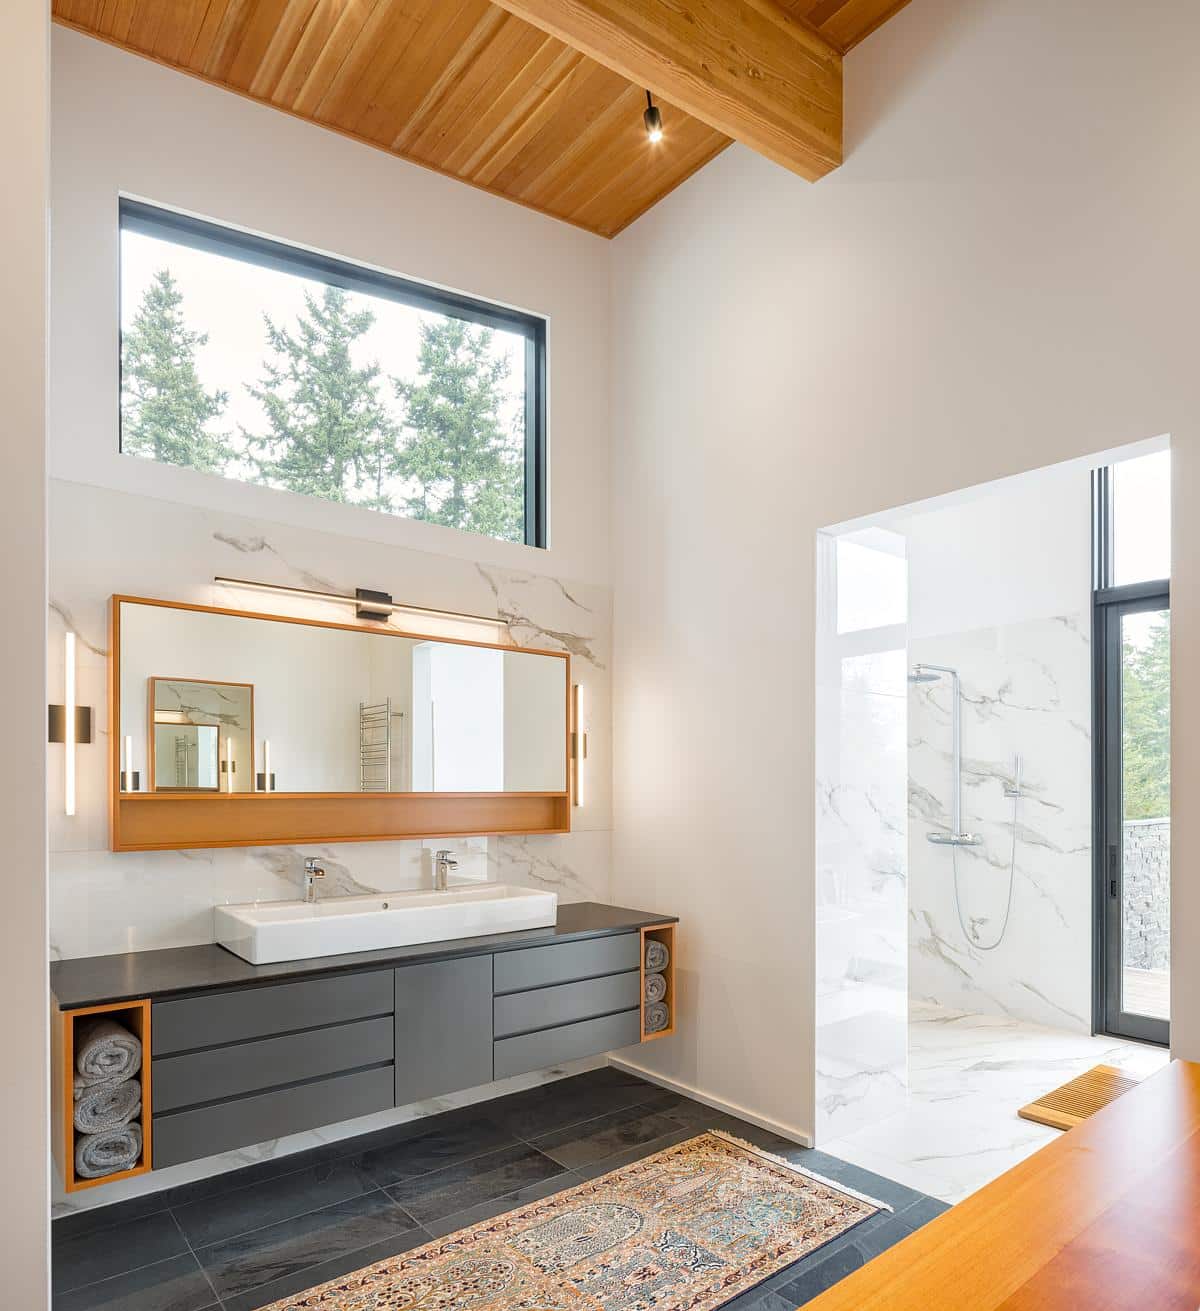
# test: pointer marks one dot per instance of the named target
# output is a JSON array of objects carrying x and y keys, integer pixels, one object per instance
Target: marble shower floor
[{"x": 968, "y": 1075}]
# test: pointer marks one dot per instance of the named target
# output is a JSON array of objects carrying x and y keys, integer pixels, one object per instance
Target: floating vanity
[{"x": 238, "y": 1053}]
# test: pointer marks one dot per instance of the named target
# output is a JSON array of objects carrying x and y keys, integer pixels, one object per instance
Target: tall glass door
[{"x": 1136, "y": 794}]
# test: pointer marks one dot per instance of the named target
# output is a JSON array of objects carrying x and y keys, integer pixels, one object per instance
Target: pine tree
[
  {"x": 165, "y": 410},
  {"x": 329, "y": 433},
  {"x": 1146, "y": 724},
  {"x": 468, "y": 472}
]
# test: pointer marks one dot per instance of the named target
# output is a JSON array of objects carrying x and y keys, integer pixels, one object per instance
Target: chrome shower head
[{"x": 920, "y": 674}]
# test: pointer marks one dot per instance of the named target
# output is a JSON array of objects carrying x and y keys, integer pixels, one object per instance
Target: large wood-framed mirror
[{"x": 276, "y": 729}]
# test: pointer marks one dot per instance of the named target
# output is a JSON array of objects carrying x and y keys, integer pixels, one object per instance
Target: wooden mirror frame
[{"x": 175, "y": 821}]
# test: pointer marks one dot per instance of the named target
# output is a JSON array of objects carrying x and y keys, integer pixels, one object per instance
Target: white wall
[
  {"x": 122, "y": 124},
  {"x": 1001, "y": 276},
  {"x": 24, "y": 1090}
]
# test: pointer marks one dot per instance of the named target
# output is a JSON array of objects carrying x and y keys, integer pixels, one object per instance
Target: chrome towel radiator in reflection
[{"x": 375, "y": 745}]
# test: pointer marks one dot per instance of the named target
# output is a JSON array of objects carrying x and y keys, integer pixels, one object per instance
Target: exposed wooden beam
[{"x": 749, "y": 69}]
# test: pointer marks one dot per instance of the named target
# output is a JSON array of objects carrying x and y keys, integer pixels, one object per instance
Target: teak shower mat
[
  {"x": 686, "y": 1229},
  {"x": 1065, "y": 1107}
]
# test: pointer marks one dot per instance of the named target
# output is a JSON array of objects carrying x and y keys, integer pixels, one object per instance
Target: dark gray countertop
[{"x": 97, "y": 980}]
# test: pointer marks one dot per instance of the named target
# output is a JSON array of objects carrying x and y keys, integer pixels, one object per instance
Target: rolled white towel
[
  {"x": 657, "y": 956},
  {"x": 98, "y": 1154},
  {"x": 106, "y": 1105},
  {"x": 656, "y": 987},
  {"x": 105, "y": 1052},
  {"x": 657, "y": 1017}
]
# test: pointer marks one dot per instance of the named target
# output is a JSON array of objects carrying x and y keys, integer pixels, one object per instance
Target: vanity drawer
[
  {"x": 543, "y": 1008},
  {"x": 190, "y": 1135},
  {"x": 535, "y": 967},
  {"x": 538, "y": 1051},
  {"x": 225, "y": 1017},
  {"x": 220, "y": 1072}
]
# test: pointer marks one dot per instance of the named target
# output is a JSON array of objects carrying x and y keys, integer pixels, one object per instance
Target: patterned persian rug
[{"x": 684, "y": 1230}]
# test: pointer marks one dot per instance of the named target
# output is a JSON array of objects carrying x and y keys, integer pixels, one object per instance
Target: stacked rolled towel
[
  {"x": 657, "y": 956},
  {"x": 657, "y": 1016},
  {"x": 108, "y": 1096},
  {"x": 98, "y": 1154},
  {"x": 655, "y": 1013}
]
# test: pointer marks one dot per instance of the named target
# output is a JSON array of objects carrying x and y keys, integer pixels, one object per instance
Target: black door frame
[{"x": 1109, "y": 606}]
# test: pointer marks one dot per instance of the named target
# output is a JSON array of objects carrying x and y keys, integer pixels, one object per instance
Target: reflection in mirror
[
  {"x": 202, "y": 730},
  {"x": 268, "y": 704}
]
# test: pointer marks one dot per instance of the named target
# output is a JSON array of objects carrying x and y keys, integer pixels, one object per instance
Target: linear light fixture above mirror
[{"x": 368, "y": 604}]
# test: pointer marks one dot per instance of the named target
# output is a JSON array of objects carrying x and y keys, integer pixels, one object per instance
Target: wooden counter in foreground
[{"x": 1106, "y": 1217}]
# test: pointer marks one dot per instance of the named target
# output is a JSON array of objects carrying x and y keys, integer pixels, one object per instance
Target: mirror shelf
[{"x": 270, "y": 731}]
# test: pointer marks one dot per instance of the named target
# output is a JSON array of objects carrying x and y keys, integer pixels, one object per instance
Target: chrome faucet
[
  {"x": 443, "y": 863},
  {"x": 313, "y": 870}
]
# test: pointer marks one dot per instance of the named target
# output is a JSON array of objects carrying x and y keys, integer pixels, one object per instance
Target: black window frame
[
  {"x": 1110, "y": 603},
  {"x": 217, "y": 238}
]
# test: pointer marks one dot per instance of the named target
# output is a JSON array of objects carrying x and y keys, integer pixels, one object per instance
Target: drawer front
[
  {"x": 261, "y": 1012},
  {"x": 220, "y": 1072},
  {"x": 535, "y": 967},
  {"x": 538, "y": 1051},
  {"x": 543, "y": 1008},
  {"x": 190, "y": 1135}
]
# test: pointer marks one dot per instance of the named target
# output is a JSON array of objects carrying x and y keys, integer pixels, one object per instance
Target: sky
[{"x": 226, "y": 299}]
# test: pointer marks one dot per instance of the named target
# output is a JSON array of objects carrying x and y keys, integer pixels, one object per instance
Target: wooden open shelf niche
[
  {"x": 664, "y": 933},
  {"x": 135, "y": 1015}
]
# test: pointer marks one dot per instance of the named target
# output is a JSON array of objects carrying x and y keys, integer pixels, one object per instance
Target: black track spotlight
[{"x": 653, "y": 120}]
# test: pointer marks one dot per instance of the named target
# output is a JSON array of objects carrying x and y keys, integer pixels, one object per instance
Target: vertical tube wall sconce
[
  {"x": 70, "y": 723},
  {"x": 131, "y": 779},
  {"x": 578, "y": 744},
  {"x": 265, "y": 781},
  {"x": 228, "y": 765}
]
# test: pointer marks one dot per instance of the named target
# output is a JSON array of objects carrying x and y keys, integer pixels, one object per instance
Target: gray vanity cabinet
[{"x": 443, "y": 1027}]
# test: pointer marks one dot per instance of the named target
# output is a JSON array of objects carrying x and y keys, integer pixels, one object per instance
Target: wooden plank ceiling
[{"x": 460, "y": 86}]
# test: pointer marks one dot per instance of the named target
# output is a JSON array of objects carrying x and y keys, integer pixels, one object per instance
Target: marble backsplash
[
  {"x": 104, "y": 542},
  {"x": 1026, "y": 693}
]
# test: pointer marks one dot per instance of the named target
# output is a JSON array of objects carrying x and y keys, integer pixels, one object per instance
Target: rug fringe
[{"x": 798, "y": 1169}]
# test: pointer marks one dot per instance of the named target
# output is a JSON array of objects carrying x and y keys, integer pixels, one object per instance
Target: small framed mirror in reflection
[{"x": 201, "y": 735}]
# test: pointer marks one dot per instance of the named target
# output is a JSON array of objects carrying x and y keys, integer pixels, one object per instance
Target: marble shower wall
[
  {"x": 862, "y": 851},
  {"x": 1027, "y": 693},
  {"x": 103, "y": 542}
]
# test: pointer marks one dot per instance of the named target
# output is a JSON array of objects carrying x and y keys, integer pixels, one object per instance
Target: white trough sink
[{"x": 265, "y": 932}]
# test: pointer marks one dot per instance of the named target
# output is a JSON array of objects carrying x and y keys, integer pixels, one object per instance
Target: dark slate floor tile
[
  {"x": 280, "y": 1250},
  {"x": 594, "y": 1140},
  {"x": 103, "y": 1253},
  {"x": 920, "y": 1213},
  {"x": 548, "y": 1107},
  {"x": 821, "y": 1270},
  {"x": 231, "y": 1213},
  {"x": 596, "y": 1168},
  {"x": 177, "y": 1284},
  {"x": 499, "y": 1205},
  {"x": 428, "y": 1198},
  {"x": 77, "y": 1223},
  {"x": 313, "y": 1276},
  {"x": 872, "y": 1238},
  {"x": 429, "y": 1146},
  {"x": 875, "y": 1186}
]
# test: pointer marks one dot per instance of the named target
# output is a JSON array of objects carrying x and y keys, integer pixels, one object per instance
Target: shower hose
[{"x": 971, "y": 936}]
